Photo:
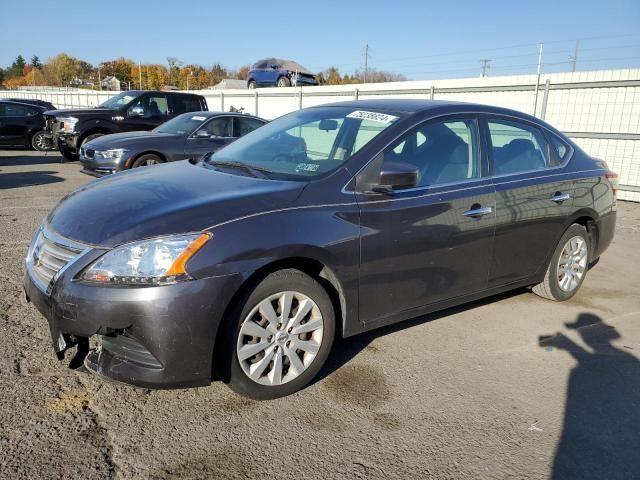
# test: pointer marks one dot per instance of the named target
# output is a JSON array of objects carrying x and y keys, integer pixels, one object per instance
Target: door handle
[
  {"x": 560, "y": 197},
  {"x": 478, "y": 212}
]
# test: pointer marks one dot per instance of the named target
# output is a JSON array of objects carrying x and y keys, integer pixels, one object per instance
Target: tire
[
  {"x": 39, "y": 141},
  {"x": 282, "y": 375},
  {"x": 147, "y": 160},
  {"x": 560, "y": 286},
  {"x": 251, "y": 85},
  {"x": 88, "y": 138},
  {"x": 283, "y": 82},
  {"x": 69, "y": 155}
]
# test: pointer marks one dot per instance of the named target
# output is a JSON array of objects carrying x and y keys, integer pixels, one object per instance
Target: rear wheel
[
  {"x": 147, "y": 160},
  {"x": 39, "y": 141},
  {"x": 568, "y": 267},
  {"x": 284, "y": 82},
  {"x": 279, "y": 336},
  {"x": 251, "y": 85}
]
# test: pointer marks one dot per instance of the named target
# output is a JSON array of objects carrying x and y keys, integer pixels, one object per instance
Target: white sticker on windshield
[
  {"x": 373, "y": 116},
  {"x": 307, "y": 167},
  {"x": 199, "y": 118}
]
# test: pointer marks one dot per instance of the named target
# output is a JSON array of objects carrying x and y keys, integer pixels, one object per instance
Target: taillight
[{"x": 613, "y": 180}]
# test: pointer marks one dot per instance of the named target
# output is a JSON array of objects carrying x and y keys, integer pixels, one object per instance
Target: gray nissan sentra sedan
[{"x": 327, "y": 222}]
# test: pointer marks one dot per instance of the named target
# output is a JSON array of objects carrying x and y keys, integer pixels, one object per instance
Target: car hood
[
  {"x": 80, "y": 112},
  {"x": 176, "y": 197},
  {"x": 123, "y": 140}
]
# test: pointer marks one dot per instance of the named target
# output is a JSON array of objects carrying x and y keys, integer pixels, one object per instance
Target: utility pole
[
  {"x": 366, "y": 62},
  {"x": 99, "y": 80},
  {"x": 485, "y": 65},
  {"x": 140, "y": 75},
  {"x": 575, "y": 56}
]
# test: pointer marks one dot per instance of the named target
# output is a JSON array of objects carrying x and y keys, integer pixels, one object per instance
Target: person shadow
[{"x": 601, "y": 432}]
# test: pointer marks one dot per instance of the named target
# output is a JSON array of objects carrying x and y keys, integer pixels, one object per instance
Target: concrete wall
[{"x": 599, "y": 110}]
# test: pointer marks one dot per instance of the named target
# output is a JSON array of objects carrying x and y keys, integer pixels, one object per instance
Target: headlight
[
  {"x": 67, "y": 124},
  {"x": 159, "y": 261},
  {"x": 115, "y": 154}
]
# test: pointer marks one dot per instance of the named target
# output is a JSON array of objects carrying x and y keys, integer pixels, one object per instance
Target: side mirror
[
  {"x": 202, "y": 133},
  {"x": 396, "y": 175},
  {"x": 136, "y": 111},
  {"x": 327, "y": 124}
]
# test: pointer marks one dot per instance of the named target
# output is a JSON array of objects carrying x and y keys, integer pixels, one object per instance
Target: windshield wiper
[{"x": 252, "y": 169}]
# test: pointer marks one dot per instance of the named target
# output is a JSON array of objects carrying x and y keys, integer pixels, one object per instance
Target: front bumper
[
  {"x": 101, "y": 167},
  {"x": 151, "y": 337}
]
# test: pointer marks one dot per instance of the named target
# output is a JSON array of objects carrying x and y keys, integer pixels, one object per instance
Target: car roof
[
  {"x": 25, "y": 104},
  {"x": 411, "y": 106}
]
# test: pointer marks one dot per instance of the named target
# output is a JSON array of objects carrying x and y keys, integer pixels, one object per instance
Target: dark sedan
[
  {"x": 246, "y": 266},
  {"x": 188, "y": 135},
  {"x": 23, "y": 125}
]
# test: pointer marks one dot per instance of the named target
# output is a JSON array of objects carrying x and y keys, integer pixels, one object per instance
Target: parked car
[
  {"x": 247, "y": 269},
  {"x": 189, "y": 135},
  {"x": 275, "y": 72},
  {"x": 32, "y": 101},
  {"x": 128, "y": 111},
  {"x": 22, "y": 125}
]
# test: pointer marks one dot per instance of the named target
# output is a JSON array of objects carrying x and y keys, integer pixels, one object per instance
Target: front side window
[
  {"x": 309, "y": 142},
  {"x": 17, "y": 111},
  {"x": 517, "y": 147},
  {"x": 153, "y": 106},
  {"x": 443, "y": 151},
  {"x": 219, "y": 127}
]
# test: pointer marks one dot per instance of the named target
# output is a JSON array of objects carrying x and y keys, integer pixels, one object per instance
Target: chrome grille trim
[{"x": 50, "y": 255}]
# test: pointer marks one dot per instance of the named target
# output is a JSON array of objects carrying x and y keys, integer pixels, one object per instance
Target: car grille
[{"x": 49, "y": 255}]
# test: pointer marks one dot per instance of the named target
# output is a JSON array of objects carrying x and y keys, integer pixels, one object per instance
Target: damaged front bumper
[{"x": 151, "y": 337}]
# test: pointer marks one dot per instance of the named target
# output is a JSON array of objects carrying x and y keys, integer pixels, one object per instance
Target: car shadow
[
  {"x": 28, "y": 179},
  {"x": 601, "y": 431},
  {"x": 346, "y": 349},
  {"x": 27, "y": 157}
]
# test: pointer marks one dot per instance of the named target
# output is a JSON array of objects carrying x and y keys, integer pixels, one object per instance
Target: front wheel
[
  {"x": 147, "y": 160},
  {"x": 251, "y": 85},
  {"x": 568, "y": 267},
  {"x": 39, "y": 141},
  {"x": 279, "y": 337}
]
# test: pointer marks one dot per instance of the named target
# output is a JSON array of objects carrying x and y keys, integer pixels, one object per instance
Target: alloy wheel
[
  {"x": 572, "y": 263},
  {"x": 280, "y": 338}
]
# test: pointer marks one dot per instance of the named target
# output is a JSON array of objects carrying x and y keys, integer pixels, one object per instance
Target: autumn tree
[
  {"x": 35, "y": 62},
  {"x": 174, "y": 69},
  {"x": 62, "y": 69}
]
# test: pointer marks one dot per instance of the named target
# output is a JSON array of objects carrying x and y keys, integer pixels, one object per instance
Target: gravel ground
[{"x": 512, "y": 386}]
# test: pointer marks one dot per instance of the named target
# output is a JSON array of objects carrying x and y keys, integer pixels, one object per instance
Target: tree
[
  {"x": 35, "y": 62},
  {"x": 17, "y": 67},
  {"x": 120, "y": 68},
  {"x": 218, "y": 73},
  {"x": 174, "y": 69},
  {"x": 1, "y": 76},
  {"x": 62, "y": 69}
]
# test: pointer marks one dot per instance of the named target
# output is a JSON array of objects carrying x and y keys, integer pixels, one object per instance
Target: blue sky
[{"x": 422, "y": 39}]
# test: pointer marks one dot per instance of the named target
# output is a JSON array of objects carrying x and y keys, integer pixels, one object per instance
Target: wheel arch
[
  {"x": 313, "y": 267},
  {"x": 162, "y": 156},
  {"x": 99, "y": 129},
  {"x": 589, "y": 220}
]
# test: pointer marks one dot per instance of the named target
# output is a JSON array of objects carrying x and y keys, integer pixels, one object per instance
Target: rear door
[
  {"x": 431, "y": 243},
  {"x": 534, "y": 197},
  {"x": 185, "y": 103}
]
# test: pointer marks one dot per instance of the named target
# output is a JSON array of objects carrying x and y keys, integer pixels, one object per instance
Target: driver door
[
  {"x": 432, "y": 242},
  {"x": 219, "y": 132},
  {"x": 147, "y": 112}
]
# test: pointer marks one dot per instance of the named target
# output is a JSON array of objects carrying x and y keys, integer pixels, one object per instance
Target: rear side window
[
  {"x": 517, "y": 147},
  {"x": 186, "y": 104},
  {"x": 219, "y": 127},
  {"x": 560, "y": 148},
  {"x": 245, "y": 125},
  {"x": 17, "y": 111}
]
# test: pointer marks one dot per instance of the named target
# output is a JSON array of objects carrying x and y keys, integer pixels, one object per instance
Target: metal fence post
[
  {"x": 432, "y": 92},
  {"x": 545, "y": 98},
  {"x": 222, "y": 101},
  {"x": 300, "y": 99},
  {"x": 355, "y": 94},
  {"x": 256, "y": 100}
]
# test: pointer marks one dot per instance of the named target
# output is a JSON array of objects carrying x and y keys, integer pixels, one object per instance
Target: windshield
[
  {"x": 183, "y": 124},
  {"x": 309, "y": 142},
  {"x": 118, "y": 101}
]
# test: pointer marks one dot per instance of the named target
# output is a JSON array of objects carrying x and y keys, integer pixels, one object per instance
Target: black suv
[{"x": 127, "y": 111}]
